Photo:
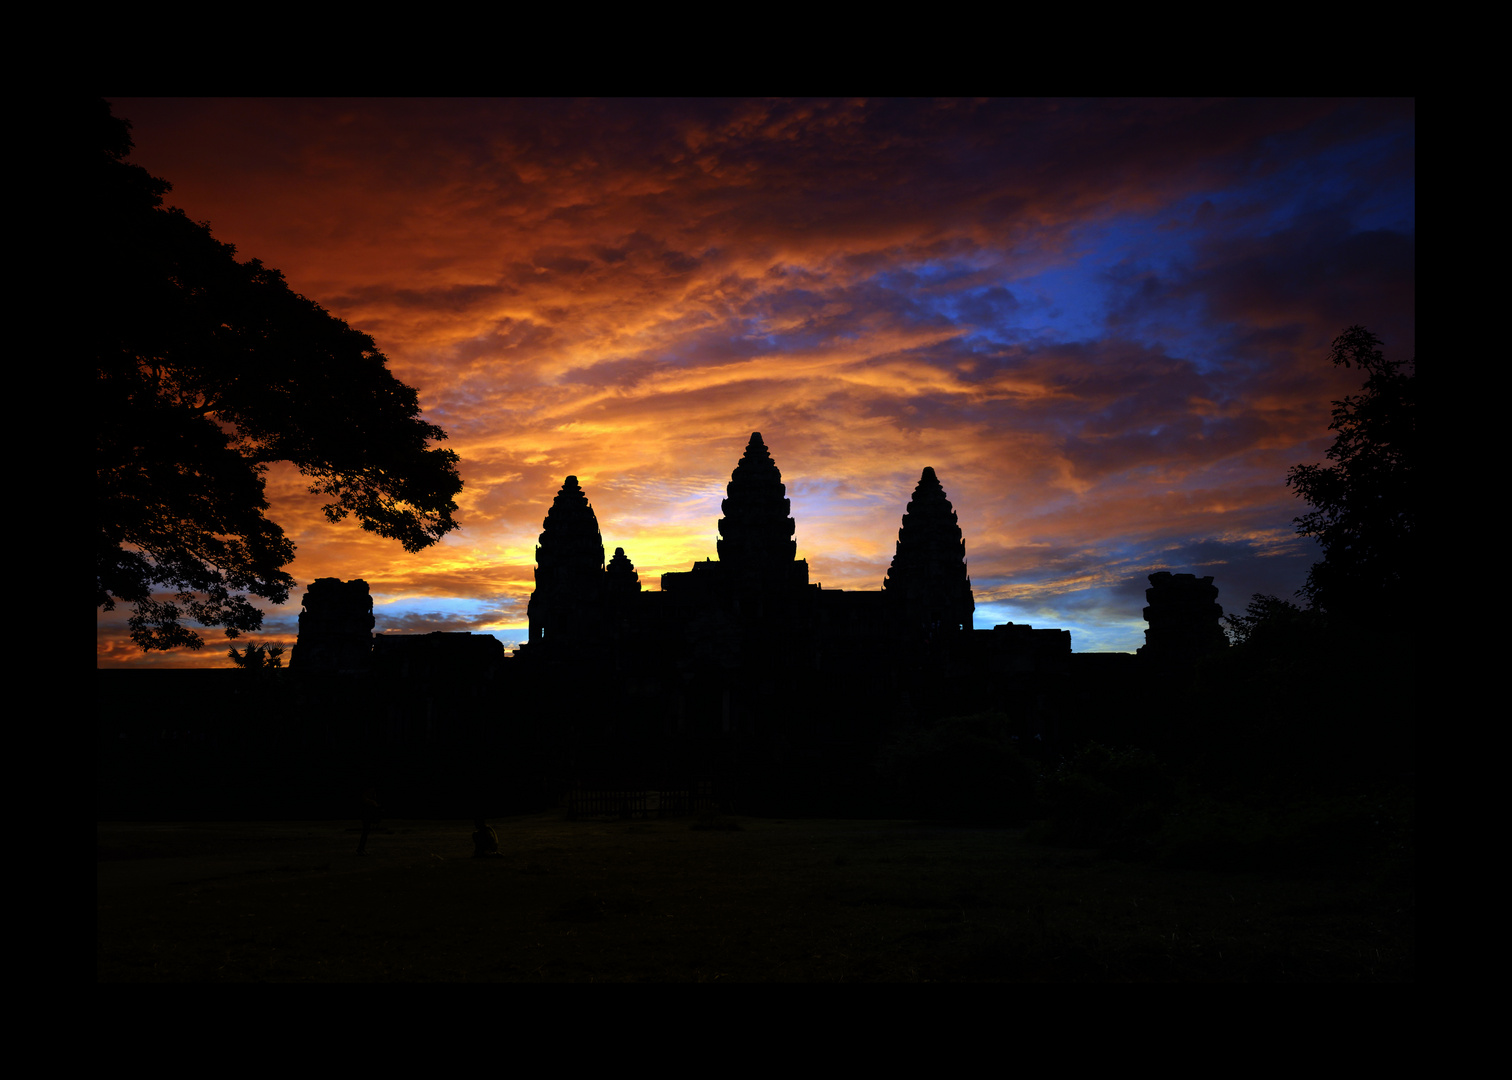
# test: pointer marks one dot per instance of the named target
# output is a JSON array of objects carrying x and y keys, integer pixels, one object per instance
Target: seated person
[{"x": 486, "y": 842}]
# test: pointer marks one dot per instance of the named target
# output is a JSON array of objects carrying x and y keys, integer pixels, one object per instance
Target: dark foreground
[{"x": 662, "y": 901}]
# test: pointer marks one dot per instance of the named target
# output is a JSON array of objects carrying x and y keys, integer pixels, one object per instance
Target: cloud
[{"x": 1104, "y": 323}]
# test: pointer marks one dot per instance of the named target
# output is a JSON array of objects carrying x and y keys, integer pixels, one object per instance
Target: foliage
[
  {"x": 963, "y": 769},
  {"x": 1365, "y": 505},
  {"x": 1269, "y": 621},
  {"x": 1130, "y": 805},
  {"x": 1105, "y": 796},
  {"x": 1317, "y": 834},
  {"x": 258, "y": 657},
  {"x": 1320, "y": 693},
  {"x": 1309, "y": 698},
  {"x": 207, "y": 370}
]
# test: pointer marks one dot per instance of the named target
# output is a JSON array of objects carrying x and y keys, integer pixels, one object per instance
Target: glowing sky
[{"x": 1104, "y": 323}]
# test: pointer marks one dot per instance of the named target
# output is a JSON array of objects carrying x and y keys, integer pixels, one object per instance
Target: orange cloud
[{"x": 624, "y": 291}]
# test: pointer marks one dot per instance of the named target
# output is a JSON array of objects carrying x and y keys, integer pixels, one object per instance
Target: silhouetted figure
[
  {"x": 369, "y": 817},
  {"x": 485, "y": 842}
]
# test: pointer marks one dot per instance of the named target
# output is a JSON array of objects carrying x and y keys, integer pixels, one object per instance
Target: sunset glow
[{"x": 1104, "y": 324}]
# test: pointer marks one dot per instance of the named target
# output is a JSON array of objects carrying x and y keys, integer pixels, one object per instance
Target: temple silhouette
[
  {"x": 750, "y": 620},
  {"x": 739, "y": 666},
  {"x": 740, "y": 682}
]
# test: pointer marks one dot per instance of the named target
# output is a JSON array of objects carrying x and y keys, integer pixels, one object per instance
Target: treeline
[
  {"x": 1291, "y": 750},
  {"x": 1278, "y": 756}
]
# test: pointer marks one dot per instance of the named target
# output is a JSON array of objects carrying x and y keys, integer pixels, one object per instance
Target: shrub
[
  {"x": 1108, "y": 797},
  {"x": 1320, "y": 834},
  {"x": 1208, "y": 835},
  {"x": 962, "y": 769}
]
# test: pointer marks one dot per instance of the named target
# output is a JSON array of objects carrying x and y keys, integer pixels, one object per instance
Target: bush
[
  {"x": 1107, "y": 797},
  {"x": 1208, "y": 835},
  {"x": 962, "y": 769},
  {"x": 1305, "y": 703},
  {"x": 1329, "y": 834}
]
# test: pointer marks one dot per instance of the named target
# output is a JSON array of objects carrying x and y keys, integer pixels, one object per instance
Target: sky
[{"x": 1104, "y": 323}]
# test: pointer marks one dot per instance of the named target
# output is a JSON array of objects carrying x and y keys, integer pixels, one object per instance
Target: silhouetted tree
[
  {"x": 1365, "y": 505},
  {"x": 208, "y": 369},
  {"x": 1269, "y": 618},
  {"x": 258, "y": 657},
  {"x": 1328, "y": 690}
]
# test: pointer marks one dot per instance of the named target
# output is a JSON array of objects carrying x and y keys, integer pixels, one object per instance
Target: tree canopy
[
  {"x": 1365, "y": 505},
  {"x": 207, "y": 370}
]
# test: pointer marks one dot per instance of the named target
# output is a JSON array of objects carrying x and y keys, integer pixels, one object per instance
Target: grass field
[{"x": 757, "y": 900}]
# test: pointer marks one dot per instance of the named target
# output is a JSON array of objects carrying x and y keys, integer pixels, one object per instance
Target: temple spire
[
  {"x": 756, "y": 532},
  {"x": 928, "y": 573},
  {"x": 620, "y": 578},
  {"x": 569, "y": 568},
  {"x": 570, "y": 539}
]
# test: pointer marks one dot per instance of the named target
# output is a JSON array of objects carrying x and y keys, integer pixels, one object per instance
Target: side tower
[
  {"x": 569, "y": 572},
  {"x": 620, "y": 579},
  {"x": 927, "y": 583},
  {"x": 1184, "y": 618},
  {"x": 335, "y": 628},
  {"x": 756, "y": 542}
]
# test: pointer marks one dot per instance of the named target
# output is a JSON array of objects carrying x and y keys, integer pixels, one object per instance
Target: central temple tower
[
  {"x": 927, "y": 582},
  {"x": 569, "y": 571},
  {"x": 756, "y": 533}
]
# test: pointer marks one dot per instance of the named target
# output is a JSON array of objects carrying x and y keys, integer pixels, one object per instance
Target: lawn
[{"x": 762, "y": 900}]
